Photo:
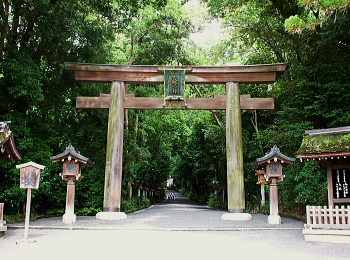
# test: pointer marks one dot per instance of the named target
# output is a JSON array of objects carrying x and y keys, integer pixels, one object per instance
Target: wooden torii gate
[{"x": 232, "y": 102}]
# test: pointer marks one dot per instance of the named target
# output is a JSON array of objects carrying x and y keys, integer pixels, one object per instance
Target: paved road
[{"x": 173, "y": 229}]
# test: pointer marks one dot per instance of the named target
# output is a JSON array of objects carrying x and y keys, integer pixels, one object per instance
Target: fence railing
[{"x": 337, "y": 217}]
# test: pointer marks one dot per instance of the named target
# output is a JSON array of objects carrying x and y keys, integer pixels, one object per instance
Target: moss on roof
[{"x": 325, "y": 143}]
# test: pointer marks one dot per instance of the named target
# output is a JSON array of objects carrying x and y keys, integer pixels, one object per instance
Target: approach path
[{"x": 172, "y": 229}]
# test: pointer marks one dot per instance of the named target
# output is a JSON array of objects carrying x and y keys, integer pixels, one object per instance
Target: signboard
[
  {"x": 71, "y": 168},
  {"x": 29, "y": 175},
  {"x": 341, "y": 179},
  {"x": 174, "y": 83},
  {"x": 29, "y": 178}
]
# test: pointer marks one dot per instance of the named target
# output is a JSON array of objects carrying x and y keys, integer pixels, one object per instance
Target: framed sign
[
  {"x": 29, "y": 175},
  {"x": 29, "y": 178},
  {"x": 341, "y": 179},
  {"x": 174, "y": 81},
  {"x": 71, "y": 167}
]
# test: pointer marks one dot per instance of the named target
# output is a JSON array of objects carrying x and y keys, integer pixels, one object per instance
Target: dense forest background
[{"x": 38, "y": 95}]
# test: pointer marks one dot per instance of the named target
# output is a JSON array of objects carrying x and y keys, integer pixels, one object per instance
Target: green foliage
[
  {"x": 215, "y": 201},
  {"x": 309, "y": 185},
  {"x": 38, "y": 95},
  {"x": 316, "y": 13},
  {"x": 295, "y": 24},
  {"x": 135, "y": 203}
]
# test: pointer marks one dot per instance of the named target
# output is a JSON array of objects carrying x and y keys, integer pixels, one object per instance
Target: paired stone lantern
[
  {"x": 273, "y": 162},
  {"x": 262, "y": 182},
  {"x": 72, "y": 160}
]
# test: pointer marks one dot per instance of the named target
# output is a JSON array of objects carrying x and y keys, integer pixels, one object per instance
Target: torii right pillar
[{"x": 234, "y": 154}]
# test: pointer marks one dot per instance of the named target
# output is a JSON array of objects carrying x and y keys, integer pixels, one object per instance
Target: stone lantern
[
  {"x": 273, "y": 162},
  {"x": 262, "y": 182},
  {"x": 71, "y": 159}
]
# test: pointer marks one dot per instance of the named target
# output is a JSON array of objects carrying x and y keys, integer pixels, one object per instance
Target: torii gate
[{"x": 117, "y": 101}]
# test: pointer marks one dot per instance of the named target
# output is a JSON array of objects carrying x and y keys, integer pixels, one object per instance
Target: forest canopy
[{"x": 38, "y": 94}]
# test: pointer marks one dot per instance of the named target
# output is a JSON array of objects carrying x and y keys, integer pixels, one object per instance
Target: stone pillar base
[
  {"x": 69, "y": 218},
  {"x": 107, "y": 215},
  {"x": 2, "y": 230},
  {"x": 237, "y": 216},
  {"x": 274, "y": 220}
]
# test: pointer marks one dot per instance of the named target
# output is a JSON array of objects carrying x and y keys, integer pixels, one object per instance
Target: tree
[
  {"x": 316, "y": 13},
  {"x": 38, "y": 95}
]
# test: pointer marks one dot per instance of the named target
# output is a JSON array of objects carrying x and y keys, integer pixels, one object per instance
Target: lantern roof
[
  {"x": 274, "y": 155},
  {"x": 325, "y": 144},
  {"x": 71, "y": 154},
  {"x": 33, "y": 164},
  {"x": 8, "y": 150}
]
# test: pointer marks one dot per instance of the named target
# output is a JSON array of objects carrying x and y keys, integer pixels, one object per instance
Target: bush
[
  {"x": 214, "y": 201},
  {"x": 90, "y": 211},
  {"x": 54, "y": 213},
  {"x": 134, "y": 204}
]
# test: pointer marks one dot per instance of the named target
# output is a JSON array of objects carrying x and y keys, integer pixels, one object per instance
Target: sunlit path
[{"x": 175, "y": 229}]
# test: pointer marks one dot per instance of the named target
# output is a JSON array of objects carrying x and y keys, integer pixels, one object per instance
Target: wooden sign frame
[{"x": 30, "y": 177}]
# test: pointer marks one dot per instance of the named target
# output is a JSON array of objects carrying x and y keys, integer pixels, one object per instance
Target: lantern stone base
[
  {"x": 2, "y": 229},
  {"x": 274, "y": 220},
  {"x": 237, "y": 216},
  {"x": 69, "y": 218},
  {"x": 25, "y": 241},
  {"x": 106, "y": 215}
]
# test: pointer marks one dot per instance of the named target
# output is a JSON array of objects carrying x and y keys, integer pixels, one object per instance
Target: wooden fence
[
  {"x": 318, "y": 216},
  {"x": 326, "y": 224}
]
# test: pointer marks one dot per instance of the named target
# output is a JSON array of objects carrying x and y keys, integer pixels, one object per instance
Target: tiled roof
[
  {"x": 325, "y": 141},
  {"x": 8, "y": 150},
  {"x": 74, "y": 153},
  {"x": 274, "y": 154}
]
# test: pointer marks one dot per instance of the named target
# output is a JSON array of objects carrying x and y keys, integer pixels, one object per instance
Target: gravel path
[{"x": 173, "y": 229}]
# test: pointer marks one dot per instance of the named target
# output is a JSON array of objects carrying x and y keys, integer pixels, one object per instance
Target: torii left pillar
[
  {"x": 114, "y": 155},
  {"x": 234, "y": 154}
]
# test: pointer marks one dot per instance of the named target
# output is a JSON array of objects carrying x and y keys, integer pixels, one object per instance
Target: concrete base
[
  {"x": 237, "y": 216},
  {"x": 111, "y": 215},
  {"x": 328, "y": 239},
  {"x": 274, "y": 220},
  {"x": 69, "y": 218},
  {"x": 341, "y": 236}
]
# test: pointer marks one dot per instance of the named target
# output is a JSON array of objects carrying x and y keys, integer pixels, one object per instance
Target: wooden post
[
  {"x": 26, "y": 223},
  {"x": 1, "y": 214},
  {"x": 330, "y": 185},
  {"x": 69, "y": 217},
  {"x": 262, "y": 191},
  {"x": 114, "y": 155},
  {"x": 234, "y": 148},
  {"x": 274, "y": 218},
  {"x": 273, "y": 197},
  {"x": 3, "y": 228}
]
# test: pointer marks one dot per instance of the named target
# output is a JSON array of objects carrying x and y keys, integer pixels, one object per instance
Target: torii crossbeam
[{"x": 232, "y": 102}]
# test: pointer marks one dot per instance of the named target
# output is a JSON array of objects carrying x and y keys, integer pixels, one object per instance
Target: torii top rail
[{"x": 139, "y": 74}]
